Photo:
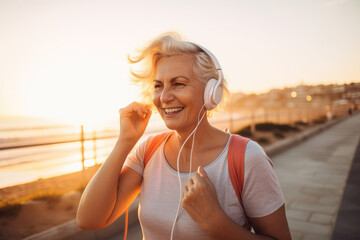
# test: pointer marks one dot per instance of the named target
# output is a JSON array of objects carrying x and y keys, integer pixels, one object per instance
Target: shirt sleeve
[
  {"x": 262, "y": 192},
  {"x": 135, "y": 160}
]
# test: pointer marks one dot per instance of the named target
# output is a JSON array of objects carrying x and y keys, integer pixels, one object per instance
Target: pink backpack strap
[
  {"x": 153, "y": 145},
  {"x": 236, "y": 155}
]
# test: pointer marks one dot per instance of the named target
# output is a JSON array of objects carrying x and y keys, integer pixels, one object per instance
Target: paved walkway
[
  {"x": 348, "y": 220},
  {"x": 313, "y": 177}
]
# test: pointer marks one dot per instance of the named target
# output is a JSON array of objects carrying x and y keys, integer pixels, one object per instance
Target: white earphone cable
[
  {"x": 193, "y": 140},
  {"x": 178, "y": 165}
]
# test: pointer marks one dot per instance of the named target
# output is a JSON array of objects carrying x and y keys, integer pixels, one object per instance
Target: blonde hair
[{"x": 166, "y": 45}]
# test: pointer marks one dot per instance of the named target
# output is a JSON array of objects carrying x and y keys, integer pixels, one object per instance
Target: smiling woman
[
  {"x": 185, "y": 183},
  {"x": 198, "y": 64}
]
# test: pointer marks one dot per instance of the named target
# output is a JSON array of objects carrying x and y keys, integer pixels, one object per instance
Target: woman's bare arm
[
  {"x": 112, "y": 189},
  {"x": 105, "y": 191},
  {"x": 273, "y": 226}
]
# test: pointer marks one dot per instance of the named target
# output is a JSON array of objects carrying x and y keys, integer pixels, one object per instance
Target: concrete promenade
[{"x": 313, "y": 177}]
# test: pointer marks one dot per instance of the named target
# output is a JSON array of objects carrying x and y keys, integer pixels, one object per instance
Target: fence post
[
  {"x": 290, "y": 116},
  {"x": 307, "y": 115},
  {"x": 82, "y": 138},
  {"x": 82, "y": 148},
  {"x": 278, "y": 116},
  {"x": 301, "y": 117},
  {"x": 252, "y": 123},
  {"x": 266, "y": 116},
  {"x": 231, "y": 123},
  {"x": 94, "y": 145}
]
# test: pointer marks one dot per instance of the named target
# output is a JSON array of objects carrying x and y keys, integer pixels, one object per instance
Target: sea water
[{"x": 26, "y": 155}]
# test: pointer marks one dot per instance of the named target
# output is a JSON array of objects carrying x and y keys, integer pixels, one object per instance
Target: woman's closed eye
[
  {"x": 157, "y": 84},
  {"x": 179, "y": 84}
]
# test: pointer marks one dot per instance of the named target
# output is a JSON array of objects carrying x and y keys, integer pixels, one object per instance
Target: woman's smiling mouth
[{"x": 171, "y": 111}]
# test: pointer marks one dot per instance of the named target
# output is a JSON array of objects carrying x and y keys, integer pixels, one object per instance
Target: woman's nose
[{"x": 166, "y": 95}]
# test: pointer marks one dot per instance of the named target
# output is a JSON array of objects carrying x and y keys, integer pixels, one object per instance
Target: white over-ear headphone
[{"x": 214, "y": 88}]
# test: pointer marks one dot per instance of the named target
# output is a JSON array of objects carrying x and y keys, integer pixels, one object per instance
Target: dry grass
[
  {"x": 268, "y": 133},
  {"x": 12, "y": 208}
]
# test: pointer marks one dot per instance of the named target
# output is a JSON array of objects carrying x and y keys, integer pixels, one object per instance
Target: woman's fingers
[
  {"x": 189, "y": 185},
  {"x": 134, "y": 119},
  {"x": 139, "y": 109},
  {"x": 197, "y": 184},
  {"x": 142, "y": 110},
  {"x": 202, "y": 172}
]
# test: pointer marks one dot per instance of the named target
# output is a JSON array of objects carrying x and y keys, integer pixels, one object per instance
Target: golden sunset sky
[{"x": 67, "y": 59}]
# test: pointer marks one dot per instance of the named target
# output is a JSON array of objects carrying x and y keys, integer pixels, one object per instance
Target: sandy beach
[{"x": 56, "y": 201}]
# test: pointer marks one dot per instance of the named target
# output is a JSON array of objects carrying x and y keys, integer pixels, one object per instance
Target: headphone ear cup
[
  {"x": 208, "y": 94},
  {"x": 217, "y": 94}
]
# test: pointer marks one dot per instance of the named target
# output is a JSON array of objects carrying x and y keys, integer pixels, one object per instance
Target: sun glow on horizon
[
  {"x": 67, "y": 60},
  {"x": 87, "y": 93}
]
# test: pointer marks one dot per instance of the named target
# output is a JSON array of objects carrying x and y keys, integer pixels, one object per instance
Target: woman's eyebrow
[
  {"x": 172, "y": 79},
  {"x": 175, "y": 78}
]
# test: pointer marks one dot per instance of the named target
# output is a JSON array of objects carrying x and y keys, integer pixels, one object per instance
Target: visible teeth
[{"x": 171, "y": 110}]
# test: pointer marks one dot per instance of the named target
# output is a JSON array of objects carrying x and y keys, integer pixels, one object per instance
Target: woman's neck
[{"x": 203, "y": 132}]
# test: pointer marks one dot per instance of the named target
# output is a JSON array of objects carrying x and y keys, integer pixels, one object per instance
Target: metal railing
[{"x": 233, "y": 121}]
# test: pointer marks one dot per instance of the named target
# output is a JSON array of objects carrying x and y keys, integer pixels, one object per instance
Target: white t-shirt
[{"x": 160, "y": 194}]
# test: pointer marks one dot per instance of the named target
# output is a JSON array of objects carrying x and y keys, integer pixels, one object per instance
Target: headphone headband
[{"x": 215, "y": 61}]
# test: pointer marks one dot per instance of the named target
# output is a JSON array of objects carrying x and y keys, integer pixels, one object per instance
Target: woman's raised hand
[{"x": 133, "y": 121}]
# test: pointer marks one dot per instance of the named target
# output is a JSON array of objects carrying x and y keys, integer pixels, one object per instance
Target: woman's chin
[{"x": 172, "y": 126}]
